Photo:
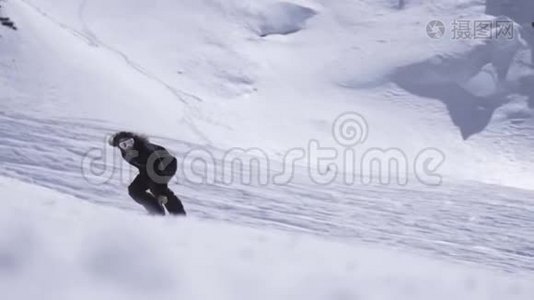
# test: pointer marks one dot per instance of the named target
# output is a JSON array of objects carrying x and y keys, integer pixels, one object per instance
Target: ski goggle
[{"x": 126, "y": 144}]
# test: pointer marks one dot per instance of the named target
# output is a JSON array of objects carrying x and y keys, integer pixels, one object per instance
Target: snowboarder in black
[{"x": 156, "y": 168}]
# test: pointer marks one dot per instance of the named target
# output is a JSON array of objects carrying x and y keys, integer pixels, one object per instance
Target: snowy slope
[
  {"x": 463, "y": 221},
  {"x": 131, "y": 256},
  {"x": 276, "y": 74},
  {"x": 212, "y": 75}
]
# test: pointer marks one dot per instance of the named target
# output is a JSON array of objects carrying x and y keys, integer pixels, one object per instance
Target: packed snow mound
[
  {"x": 282, "y": 18},
  {"x": 52, "y": 248}
]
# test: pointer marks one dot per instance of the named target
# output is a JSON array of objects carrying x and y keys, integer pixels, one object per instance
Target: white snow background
[{"x": 273, "y": 75}]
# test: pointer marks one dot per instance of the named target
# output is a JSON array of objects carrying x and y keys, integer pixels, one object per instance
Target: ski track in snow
[
  {"x": 467, "y": 222},
  {"x": 91, "y": 39}
]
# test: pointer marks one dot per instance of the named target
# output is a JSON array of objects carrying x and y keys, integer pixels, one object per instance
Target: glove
[{"x": 162, "y": 200}]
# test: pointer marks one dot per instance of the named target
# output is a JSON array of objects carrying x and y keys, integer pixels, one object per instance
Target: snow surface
[
  {"x": 212, "y": 75},
  {"x": 274, "y": 75},
  {"x": 107, "y": 253}
]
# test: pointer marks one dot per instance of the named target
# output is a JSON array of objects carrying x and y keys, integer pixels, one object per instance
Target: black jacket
[{"x": 145, "y": 156}]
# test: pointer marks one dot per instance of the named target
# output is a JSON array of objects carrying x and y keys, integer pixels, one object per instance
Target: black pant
[{"x": 138, "y": 191}]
